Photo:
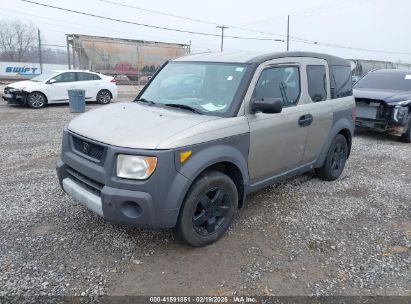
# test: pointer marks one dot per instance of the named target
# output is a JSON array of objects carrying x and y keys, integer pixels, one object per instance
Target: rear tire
[
  {"x": 104, "y": 97},
  {"x": 335, "y": 161},
  {"x": 406, "y": 137},
  {"x": 208, "y": 209},
  {"x": 36, "y": 100}
]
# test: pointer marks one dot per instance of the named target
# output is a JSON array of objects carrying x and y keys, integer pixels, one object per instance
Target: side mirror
[
  {"x": 267, "y": 105},
  {"x": 51, "y": 81}
]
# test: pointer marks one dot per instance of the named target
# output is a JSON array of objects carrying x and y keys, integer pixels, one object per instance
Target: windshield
[
  {"x": 385, "y": 81},
  {"x": 208, "y": 88},
  {"x": 43, "y": 77}
]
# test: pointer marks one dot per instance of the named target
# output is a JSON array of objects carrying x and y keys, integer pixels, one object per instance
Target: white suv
[{"x": 53, "y": 87}]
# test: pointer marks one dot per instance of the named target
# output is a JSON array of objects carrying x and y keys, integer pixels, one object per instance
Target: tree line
[{"x": 19, "y": 43}]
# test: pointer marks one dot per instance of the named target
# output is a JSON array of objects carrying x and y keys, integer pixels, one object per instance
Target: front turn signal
[{"x": 184, "y": 155}]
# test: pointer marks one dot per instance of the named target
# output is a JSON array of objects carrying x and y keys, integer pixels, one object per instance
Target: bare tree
[{"x": 16, "y": 39}]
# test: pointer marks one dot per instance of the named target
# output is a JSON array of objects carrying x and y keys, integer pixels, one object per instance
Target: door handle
[{"x": 305, "y": 120}]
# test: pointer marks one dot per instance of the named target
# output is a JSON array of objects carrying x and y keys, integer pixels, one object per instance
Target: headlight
[
  {"x": 17, "y": 90},
  {"x": 400, "y": 114},
  {"x": 135, "y": 167},
  {"x": 404, "y": 103}
]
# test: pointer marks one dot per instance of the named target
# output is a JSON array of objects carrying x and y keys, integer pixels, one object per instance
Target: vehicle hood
[
  {"x": 23, "y": 84},
  {"x": 133, "y": 125},
  {"x": 388, "y": 96}
]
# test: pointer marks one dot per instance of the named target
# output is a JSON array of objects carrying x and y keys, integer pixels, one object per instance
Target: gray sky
[{"x": 366, "y": 24}]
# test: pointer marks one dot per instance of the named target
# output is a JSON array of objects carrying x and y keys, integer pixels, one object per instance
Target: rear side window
[
  {"x": 96, "y": 77},
  {"x": 85, "y": 76},
  {"x": 341, "y": 84},
  {"x": 317, "y": 85},
  {"x": 279, "y": 82}
]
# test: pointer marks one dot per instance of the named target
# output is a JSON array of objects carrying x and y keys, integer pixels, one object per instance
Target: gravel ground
[{"x": 300, "y": 237}]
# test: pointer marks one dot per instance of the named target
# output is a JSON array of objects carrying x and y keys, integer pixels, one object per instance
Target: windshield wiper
[
  {"x": 184, "y": 107},
  {"x": 150, "y": 102}
]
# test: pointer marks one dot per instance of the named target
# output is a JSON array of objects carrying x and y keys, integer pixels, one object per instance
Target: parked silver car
[{"x": 207, "y": 130}]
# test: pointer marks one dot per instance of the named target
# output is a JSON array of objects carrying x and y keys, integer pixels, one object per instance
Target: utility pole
[
  {"x": 68, "y": 52},
  {"x": 72, "y": 50},
  {"x": 222, "y": 27},
  {"x": 40, "y": 59},
  {"x": 288, "y": 33}
]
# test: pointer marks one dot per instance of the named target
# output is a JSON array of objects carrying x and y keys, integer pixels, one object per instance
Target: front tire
[
  {"x": 104, "y": 97},
  {"x": 335, "y": 161},
  {"x": 406, "y": 137},
  {"x": 36, "y": 100},
  {"x": 208, "y": 209}
]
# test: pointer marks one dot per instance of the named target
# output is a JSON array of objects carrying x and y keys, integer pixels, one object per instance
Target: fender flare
[
  {"x": 234, "y": 151},
  {"x": 342, "y": 124}
]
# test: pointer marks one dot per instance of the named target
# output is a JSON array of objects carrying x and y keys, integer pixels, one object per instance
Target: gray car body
[{"x": 254, "y": 149}]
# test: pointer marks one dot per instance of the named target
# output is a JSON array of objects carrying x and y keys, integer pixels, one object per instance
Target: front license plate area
[{"x": 366, "y": 112}]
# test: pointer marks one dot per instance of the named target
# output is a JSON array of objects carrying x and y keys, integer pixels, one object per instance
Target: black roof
[
  {"x": 258, "y": 57},
  {"x": 332, "y": 60}
]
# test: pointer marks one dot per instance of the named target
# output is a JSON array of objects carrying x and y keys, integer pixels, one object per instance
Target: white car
[{"x": 53, "y": 87}]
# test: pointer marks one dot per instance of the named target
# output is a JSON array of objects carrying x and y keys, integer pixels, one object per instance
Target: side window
[
  {"x": 317, "y": 82},
  {"x": 96, "y": 77},
  {"x": 279, "y": 82},
  {"x": 341, "y": 83},
  {"x": 65, "y": 77},
  {"x": 85, "y": 76}
]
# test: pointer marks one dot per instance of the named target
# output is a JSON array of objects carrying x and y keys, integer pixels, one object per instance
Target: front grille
[
  {"x": 367, "y": 100},
  {"x": 371, "y": 108},
  {"x": 85, "y": 182},
  {"x": 88, "y": 148}
]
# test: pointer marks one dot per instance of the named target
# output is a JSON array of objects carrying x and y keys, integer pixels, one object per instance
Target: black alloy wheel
[
  {"x": 335, "y": 161},
  {"x": 208, "y": 209},
  {"x": 339, "y": 157},
  {"x": 211, "y": 211}
]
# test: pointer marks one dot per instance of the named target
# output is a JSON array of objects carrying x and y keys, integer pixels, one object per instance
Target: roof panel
[
  {"x": 237, "y": 57},
  {"x": 258, "y": 57}
]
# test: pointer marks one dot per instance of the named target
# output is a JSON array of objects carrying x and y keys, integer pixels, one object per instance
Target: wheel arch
[
  {"x": 36, "y": 91},
  {"x": 348, "y": 137},
  {"x": 344, "y": 127},
  {"x": 229, "y": 158},
  {"x": 233, "y": 172}
]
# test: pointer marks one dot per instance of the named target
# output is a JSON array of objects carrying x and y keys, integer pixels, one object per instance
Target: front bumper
[
  {"x": 18, "y": 97},
  {"x": 87, "y": 198},
  {"x": 125, "y": 207},
  {"x": 153, "y": 203},
  {"x": 367, "y": 123},
  {"x": 383, "y": 118}
]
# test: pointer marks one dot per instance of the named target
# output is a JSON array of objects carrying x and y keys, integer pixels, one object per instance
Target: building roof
[{"x": 258, "y": 57}]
